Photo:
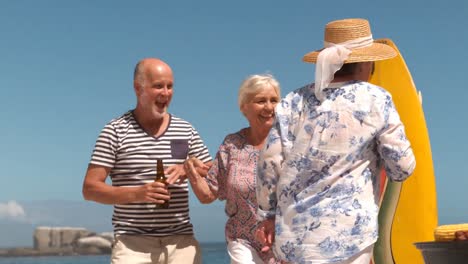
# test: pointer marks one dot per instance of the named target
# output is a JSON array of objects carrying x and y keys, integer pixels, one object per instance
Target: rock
[
  {"x": 107, "y": 235},
  {"x": 96, "y": 241},
  {"x": 21, "y": 252},
  {"x": 70, "y": 235},
  {"x": 55, "y": 238},
  {"x": 58, "y": 237},
  {"x": 93, "y": 245},
  {"x": 58, "y": 241},
  {"x": 42, "y": 238}
]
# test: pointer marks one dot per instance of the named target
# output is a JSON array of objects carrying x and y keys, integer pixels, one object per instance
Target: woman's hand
[
  {"x": 196, "y": 173},
  {"x": 265, "y": 234},
  {"x": 195, "y": 168}
]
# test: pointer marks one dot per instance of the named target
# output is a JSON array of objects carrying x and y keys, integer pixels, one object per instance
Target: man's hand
[
  {"x": 154, "y": 192},
  {"x": 175, "y": 174}
]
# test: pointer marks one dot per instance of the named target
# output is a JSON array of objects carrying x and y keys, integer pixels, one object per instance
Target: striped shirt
[{"x": 131, "y": 154}]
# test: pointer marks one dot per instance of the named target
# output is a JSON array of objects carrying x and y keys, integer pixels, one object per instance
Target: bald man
[{"x": 126, "y": 150}]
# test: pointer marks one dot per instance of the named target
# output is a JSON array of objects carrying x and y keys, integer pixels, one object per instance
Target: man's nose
[{"x": 165, "y": 91}]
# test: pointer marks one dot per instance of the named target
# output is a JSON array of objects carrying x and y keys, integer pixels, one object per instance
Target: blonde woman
[{"x": 232, "y": 176}]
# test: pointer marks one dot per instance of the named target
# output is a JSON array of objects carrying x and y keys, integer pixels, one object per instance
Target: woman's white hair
[{"x": 255, "y": 84}]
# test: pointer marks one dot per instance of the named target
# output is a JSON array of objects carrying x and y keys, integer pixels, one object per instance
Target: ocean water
[{"x": 213, "y": 253}]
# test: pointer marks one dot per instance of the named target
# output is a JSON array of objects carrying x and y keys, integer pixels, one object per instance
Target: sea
[{"x": 213, "y": 253}]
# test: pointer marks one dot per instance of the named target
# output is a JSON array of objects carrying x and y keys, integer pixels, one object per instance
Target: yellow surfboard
[{"x": 408, "y": 210}]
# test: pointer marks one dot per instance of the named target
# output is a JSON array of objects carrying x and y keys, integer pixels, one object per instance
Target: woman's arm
[{"x": 196, "y": 172}]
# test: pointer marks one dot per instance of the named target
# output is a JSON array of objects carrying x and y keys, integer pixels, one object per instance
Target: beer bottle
[{"x": 160, "y": 177}]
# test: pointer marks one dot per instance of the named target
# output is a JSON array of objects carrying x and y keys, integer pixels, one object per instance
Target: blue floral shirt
[{"x": 318, "y": 172}]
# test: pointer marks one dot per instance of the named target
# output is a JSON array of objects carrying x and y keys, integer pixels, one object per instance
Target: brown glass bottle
[{"x": 160, "y": 177}]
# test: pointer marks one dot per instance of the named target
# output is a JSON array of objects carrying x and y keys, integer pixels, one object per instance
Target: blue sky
[{"x": 66, "y": 70}]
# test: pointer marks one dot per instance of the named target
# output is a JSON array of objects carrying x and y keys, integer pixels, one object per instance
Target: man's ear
[{"x": 137, "y": 87}]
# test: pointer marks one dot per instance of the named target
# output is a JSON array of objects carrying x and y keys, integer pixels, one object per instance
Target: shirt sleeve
[
  {"x": 217, "y": 175},
  {"x": 104, "y": 153},
  {"x": 393, "y": 146},
  {"x": 197, "y": 147},
  {"x": 271, "y": 160}
]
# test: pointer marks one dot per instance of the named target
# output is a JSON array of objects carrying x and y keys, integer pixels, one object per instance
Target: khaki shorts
[{"x": 147, "y": 249}]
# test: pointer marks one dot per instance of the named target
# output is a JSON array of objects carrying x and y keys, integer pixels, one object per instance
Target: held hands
[
  {"x": 178, "y": 173},
  {"x": 195, "y": 169},
  {"x": 196, "y": 173},
  {"x": 175, "y": 174},
  {"x": 265, "y": 234}
]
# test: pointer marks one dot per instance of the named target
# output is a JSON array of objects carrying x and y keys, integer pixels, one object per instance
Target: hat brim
[{"x": 374, "y": 52}]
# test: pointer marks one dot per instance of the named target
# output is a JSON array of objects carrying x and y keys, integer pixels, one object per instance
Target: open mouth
[
  {"x": 269, "y": 117},
  {"x": 161, "y": 105}
]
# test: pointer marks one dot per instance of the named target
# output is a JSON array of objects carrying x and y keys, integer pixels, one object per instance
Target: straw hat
[{"x": 348, "y": 29}]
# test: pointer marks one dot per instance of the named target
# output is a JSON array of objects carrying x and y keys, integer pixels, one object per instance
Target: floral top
[
  {"x": 233, "y": 177},
  {"x": 318, "y": 172}
]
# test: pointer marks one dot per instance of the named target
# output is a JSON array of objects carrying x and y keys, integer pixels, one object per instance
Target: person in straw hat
[{"x": 318, "y": 173}]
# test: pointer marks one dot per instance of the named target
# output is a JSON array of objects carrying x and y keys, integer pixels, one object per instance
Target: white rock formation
[{"x": 75, "y": 239}]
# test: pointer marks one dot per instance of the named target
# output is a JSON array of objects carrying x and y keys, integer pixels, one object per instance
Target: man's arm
[{"x": 96, "y": 189}]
